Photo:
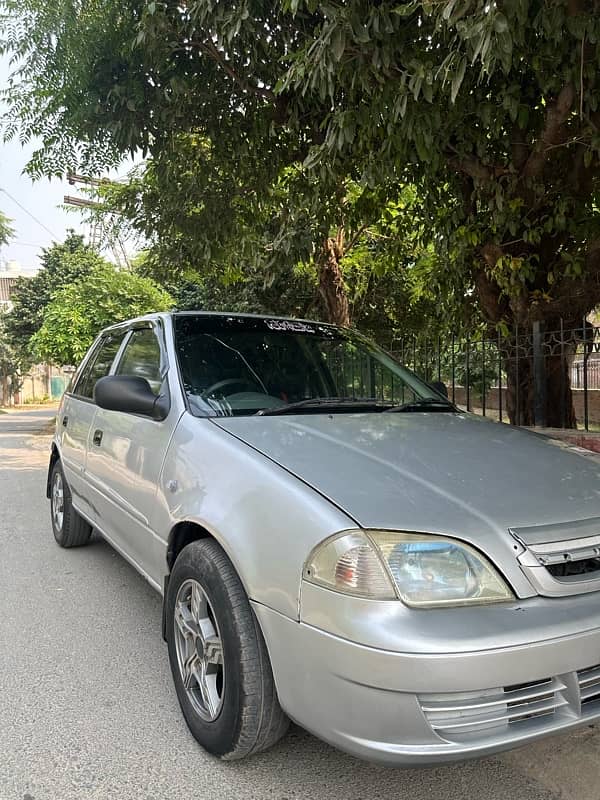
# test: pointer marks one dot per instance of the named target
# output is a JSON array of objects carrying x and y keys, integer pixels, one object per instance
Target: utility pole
[{"x": 99, "y": 230}]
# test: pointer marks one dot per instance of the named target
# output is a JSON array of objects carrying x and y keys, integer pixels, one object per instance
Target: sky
[{"x": 34, "y": 208}]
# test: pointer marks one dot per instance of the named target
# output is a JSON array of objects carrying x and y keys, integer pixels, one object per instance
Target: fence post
[
  {"x": 453, "y": 372},
  {"x": 499, "y": 377},
  {"x": 468, "y": 372},
  {"x": 483, "y": 376},
  {"x": 563, "y": 388},
  {"x": 517, "y": 378},
  {"x": 539, "y": 377},
  {"x": 586, "y": 410}
]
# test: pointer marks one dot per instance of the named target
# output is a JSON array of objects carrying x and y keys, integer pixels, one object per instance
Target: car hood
[{"x": 448, "y": 473}]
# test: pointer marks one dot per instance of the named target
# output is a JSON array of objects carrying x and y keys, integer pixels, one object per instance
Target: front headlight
[{"x": 422, "y": 570}]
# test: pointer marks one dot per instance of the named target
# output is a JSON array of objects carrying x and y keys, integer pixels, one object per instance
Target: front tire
[
  {"x": 218, "y": 656},
  {"x": 69, "y": 529}
]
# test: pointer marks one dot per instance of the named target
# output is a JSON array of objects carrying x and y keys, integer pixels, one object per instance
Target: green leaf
[
  {"x": 406, "y": 9},
  {"x": 361, "y": 34},
  {"x": 500, "y": 23},
  {"x": 338, "y": 43},
  {"x": 448, "y": 9},
  {"x": 458, "y": 78},
  {"x": 415, "y": 85}
]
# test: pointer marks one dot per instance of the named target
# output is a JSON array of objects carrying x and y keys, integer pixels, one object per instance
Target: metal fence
[
  {"x": 591, "y": 367},
  {"x": 534, "y": 377}
]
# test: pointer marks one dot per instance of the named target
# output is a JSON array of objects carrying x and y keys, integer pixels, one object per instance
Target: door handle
[
  {"x": 65, "y": 421},
  {"x": 97, "y": 438}
]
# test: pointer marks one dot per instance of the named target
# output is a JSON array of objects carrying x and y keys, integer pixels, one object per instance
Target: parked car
[{"x": 335, "y": 542}]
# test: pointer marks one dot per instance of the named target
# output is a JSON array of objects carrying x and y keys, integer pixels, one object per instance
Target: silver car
[{"x": 335, "y": 542}]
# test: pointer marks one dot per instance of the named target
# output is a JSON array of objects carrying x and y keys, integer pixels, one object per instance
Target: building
[
  {"x": 44, "y": 381},
  {"x": 10, "y": 271},
  {"x": 7, "y": 284}
]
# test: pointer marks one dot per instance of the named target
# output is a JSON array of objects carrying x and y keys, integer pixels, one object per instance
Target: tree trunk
[
  {"x": 556, "y": 400},
  {"x": 331, "y": 281},
  {"x": 559, "y": 410}
]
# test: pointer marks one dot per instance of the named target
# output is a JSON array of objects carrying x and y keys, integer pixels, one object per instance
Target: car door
[
  {"x": 125, "y": 455},
  {"x": 76, "y": 415}
]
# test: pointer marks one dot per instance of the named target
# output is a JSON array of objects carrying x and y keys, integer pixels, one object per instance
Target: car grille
[
  {"x": 589, "y": 685},
  {"x": 458, "y": 716},
  {"x": 561, "y": 559},
  {"x": 566, "y": 561}
]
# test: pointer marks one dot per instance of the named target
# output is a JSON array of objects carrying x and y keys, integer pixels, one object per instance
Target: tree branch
[
  {"x": 552, "y": 134},
  {"x": 213, "y": 52},
  {"x": 490, "y": 297},
  {"x": 491, "y": 253},
  {"x": 474, "y": 168},
  {"x": 356, "y": 236}
]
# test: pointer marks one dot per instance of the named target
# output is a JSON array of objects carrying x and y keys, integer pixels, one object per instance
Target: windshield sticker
[{"x": 290, "y": 325}]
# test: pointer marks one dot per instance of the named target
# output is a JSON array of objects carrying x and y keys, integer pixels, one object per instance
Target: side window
[
  {"x": 99, "y": 365},
  {"x": 81, "y": 374},
  {"x": 141, "y": 358}
]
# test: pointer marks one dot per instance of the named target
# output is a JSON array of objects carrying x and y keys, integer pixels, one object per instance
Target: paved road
[{"x": 87, "y": 709}]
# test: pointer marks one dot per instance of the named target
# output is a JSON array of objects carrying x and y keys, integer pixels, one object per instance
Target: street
[{"x": 87, "y": 707}]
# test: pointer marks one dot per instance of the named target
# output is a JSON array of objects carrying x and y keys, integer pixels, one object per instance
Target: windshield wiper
[
  {"x": 424, "y": 404},
  {"x": 328, "y": 404}
]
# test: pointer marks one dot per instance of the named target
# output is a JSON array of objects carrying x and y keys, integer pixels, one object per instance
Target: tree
[
  {"x": 62, "y": 265},
  {"x": 195, "y": 209},
  {"x": 489, "y": 109},
  {"x": 270, "y": 263},
  {"x": 199, "y": 91},
  {"x": 79, "y": 311},
  {"x": 6, "y": 229},
  {"x": 10, "y": 365},
  {"x": 266, "y": 256},
  {"x": 493, "y": 109},
  {"x": 73, "y": 96}
]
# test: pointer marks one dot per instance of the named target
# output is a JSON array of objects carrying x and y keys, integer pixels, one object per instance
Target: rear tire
[
  {"x": 69, "y": 529},
  {"x": 218, "y": 656}
]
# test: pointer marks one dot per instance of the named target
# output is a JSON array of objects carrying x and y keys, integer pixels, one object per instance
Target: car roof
[{"x": 217, "y": 314}]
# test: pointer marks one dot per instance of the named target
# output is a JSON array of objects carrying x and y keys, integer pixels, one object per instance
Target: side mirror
[
  {"x": 440, "y": 388},
  {"x": 131, "y": 395}
]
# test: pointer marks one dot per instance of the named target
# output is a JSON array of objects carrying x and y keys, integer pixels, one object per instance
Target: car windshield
[{"x": 235, "y": 366}]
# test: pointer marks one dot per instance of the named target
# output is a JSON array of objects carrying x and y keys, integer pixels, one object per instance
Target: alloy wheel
[
  {"x": 199, "y": 650},
  {"x": 58, "y": 501}
]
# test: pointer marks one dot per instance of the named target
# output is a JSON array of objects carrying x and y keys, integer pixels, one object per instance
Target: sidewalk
[
  {"x": 50, "y": 407},
  {"x": 588, "y": 440}
]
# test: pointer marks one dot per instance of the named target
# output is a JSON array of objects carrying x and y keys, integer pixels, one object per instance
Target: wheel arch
[
  {"x": 181, "y": 535},
  {"x": 54, "y": 457}
]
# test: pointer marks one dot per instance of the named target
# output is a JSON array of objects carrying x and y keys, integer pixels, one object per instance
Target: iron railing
[{"x": 534, "y": 376}]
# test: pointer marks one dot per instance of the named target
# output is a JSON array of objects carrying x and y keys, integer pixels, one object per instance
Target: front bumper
[{"x": 415, "y": 708}]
